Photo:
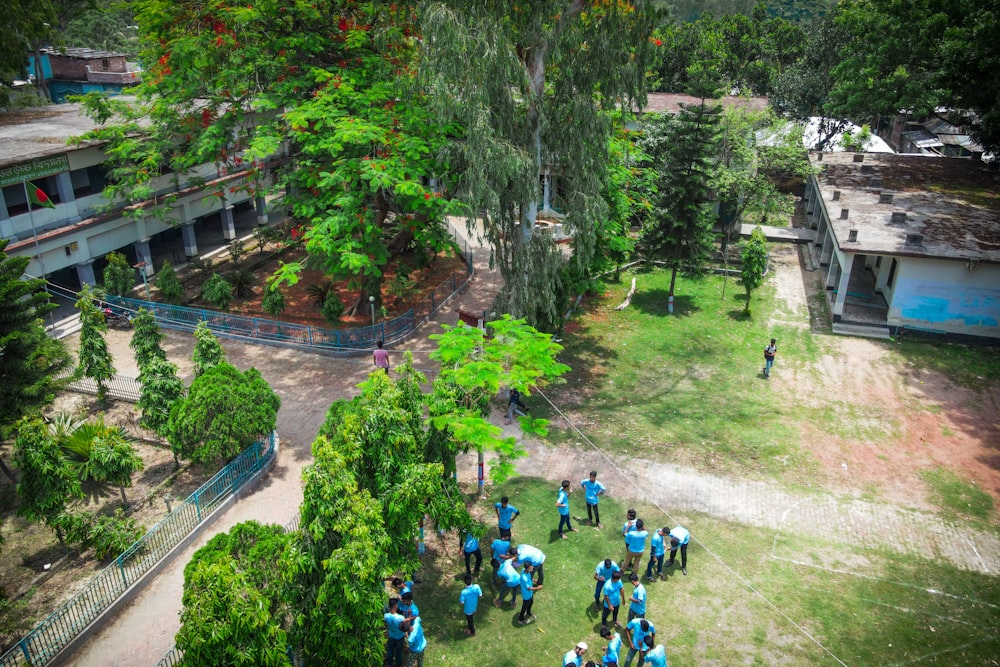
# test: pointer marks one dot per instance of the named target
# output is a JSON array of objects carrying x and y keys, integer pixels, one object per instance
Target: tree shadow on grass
[
  {"x": 655, "y": 302},
  {"x": 740, "y": 315}
]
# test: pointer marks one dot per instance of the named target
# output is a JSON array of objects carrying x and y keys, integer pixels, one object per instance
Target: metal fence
[
  {"x": 119, "y": 387},
  {"x": 301, "y": 335},
  {"x": 53, "y": 634}
]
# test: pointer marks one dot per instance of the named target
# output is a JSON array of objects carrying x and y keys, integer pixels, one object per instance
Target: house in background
[
  {"x": 76, "y": 71},
  {"x": 907, "y": 241}
]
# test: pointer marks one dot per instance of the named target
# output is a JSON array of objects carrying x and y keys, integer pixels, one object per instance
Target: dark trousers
[
  {"x": 394, "y": 652},
  {"x": 504, "y": 533},
  {"x": 613, "y": 611},
  {"x": 478, "y": 553},
  {"x": 495, "y": 564},
  {"x": 659, "y": 566},
  {"x": 596, "y": 518},
  {"x": 471, "y": 622},
  {"x": 564, "y": 521},
  {"x": 597, "y": 591},
  {"x": 539, "y": 575},
  {"x": 525, "y": 608},
  {"x": 684, "y": 555}
]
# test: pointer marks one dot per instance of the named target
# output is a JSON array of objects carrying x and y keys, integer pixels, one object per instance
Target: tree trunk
[
  {"x": 59, "y": 534},
  {"x": 121, "y": 490},
  {"x": 670, "y": 296}
]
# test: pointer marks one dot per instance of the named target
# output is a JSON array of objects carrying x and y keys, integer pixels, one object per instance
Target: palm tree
[{"x": 96, "y": 450}]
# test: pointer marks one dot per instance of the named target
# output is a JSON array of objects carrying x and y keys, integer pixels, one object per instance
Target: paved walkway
[{"x": 143, "y": 632}]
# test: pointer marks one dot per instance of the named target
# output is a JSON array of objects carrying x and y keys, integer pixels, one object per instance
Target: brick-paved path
[{"x": 143, "y": 632}]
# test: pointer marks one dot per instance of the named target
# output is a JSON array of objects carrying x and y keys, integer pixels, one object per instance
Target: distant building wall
[{"x": 945, "y": 295}]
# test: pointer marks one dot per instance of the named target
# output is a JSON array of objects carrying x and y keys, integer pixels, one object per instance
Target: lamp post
[{"x": 371, "y": 301}]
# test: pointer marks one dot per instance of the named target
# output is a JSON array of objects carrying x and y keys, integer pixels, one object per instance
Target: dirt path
[{"x": 142, "y": 633}]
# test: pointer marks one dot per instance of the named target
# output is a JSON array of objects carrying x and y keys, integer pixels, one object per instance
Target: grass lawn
[{"x": 751, "y": 598}]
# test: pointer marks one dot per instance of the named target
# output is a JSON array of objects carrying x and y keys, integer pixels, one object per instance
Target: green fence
[{"x": 63, "y": 625}]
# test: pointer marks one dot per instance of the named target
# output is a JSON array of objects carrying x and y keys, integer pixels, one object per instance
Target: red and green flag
[{"x": 37, "y": 196}]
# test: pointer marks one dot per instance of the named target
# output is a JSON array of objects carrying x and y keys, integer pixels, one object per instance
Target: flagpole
[{"x": 38, "y": 252}]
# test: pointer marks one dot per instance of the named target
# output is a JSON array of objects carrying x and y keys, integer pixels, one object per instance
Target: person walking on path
[
  {"x": 499, "y": 547},
  {"x": 525, "y": 553},
  {"x": 515, "y": 405},
  {"x": 637, "y": 601},
  {"x": 612, "y": 593},
  {"x": 679, "y": 538},
  {"x": 657, "y": 549},
  {"x": 381, "y": 357},
  {"x": 415, "y": 642},
  {"x": 562, "y": 505},
  {"x": 394, "y": 643},
  {"x": 614, "y": 650},
  {"x": 528, "y": 589},
  {"x": 506, "y": 515},
  {"x": 657, "y": 657},
  {"x": 635, "y": 543},
  {"x": 636, "y": 633},
  {"x": 470, "y": 548},
  {"x": 602, "y": 573},
  {"x": 574, "y": 658},
  {"x": 469, "y": 599},
  {"x": 511, "y": 583},
  {"x": 592, "y": 489},
  {"x": 769, "y": 352}
]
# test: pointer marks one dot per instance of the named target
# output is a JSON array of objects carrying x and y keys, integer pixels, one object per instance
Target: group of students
[{"x": 403, "y": 621}]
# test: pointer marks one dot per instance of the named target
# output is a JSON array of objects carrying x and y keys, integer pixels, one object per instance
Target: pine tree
[
  {"x": 96, "y": 361},
  {"x": 146, "y": 339},
  {"x": 119, "y": 277}
]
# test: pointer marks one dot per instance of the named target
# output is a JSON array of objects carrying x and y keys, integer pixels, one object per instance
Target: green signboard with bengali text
[{"x": 27, "y": 171}]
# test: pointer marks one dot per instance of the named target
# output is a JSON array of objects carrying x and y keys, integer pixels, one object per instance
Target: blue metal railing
[{"x": 63, "y": 625}]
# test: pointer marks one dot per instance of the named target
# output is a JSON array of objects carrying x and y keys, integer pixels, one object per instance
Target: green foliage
[
  {"x": 106, "y": 27},
  {"x": 112, "y": 535},
  {"x": 218, "y": 292},
  {"x": 262, "y": 235},
  {"x": 207, "y": 350},
  {"x": 224, "y": 411},
  {"x": 113, "y": 460},
  {"x": 47, "y": 482},
  {"x": 337, "y": 568},
  {"x": 856, "y": 141},
  {"x": 236, "y": 250},
  {"x": 754, "y": 263},
  {"x": 31, "y": 360},
  {"x": 146, "y": 339},
  {"x": 402, "y": 285},
  {"x": 202, "y": 266},
  {"x": 533, "y": 95},
  {"x": 273, "y": 302},
  {"x": 75, "y": 526},
  {"x": 96, "y": 361},
  {"x": 119, "y": 277},
  {"x": 168, "y": 283},
  {"x": 15, "y": 614},
  {"x": 161, "y": 388},
  {"x": 332, "y": 308},
  {"x": 78, "y": 439},
  {"x": 234, "y": 606},
  {"x": 243, "y": 281},
  {"x": 319, "y": 292},
  {"x": 683, "y": 150},
  {"x": 956, "y": 496}
]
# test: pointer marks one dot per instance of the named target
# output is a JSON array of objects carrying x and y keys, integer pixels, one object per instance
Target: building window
[
  {"x": 892, "y": 274},
  {"x": 88, "y": 181}
]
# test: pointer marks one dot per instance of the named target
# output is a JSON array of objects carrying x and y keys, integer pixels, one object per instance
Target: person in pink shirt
[{"x": 381, "y": 357}]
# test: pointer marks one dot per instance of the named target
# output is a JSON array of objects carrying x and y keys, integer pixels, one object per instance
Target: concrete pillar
[
  {"x": 845, "y": 278},
  {"x": 190, "y": 240},
  {"x": 228, "y": 223},
  {"x": 261, "y": 205},
  {"x": 4, "y": 215},
  {"x": 882, "y": 274},
  {"x": 547, "y": 192},
  {"x": 64, "y": 185},
  {"x": 831, "y": 272},
  {"x": 85, "y": 273},
  {"x": 826, "y": 256},
  {"x": 143, "y": 255}
]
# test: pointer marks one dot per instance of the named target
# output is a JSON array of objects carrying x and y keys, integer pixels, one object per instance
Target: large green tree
[
  {"x": 30, "y": 361},
  {"x": 925, "y": 56},
  {"x": 527, "y": 83},
  {"x": 207, "y": 350},
  {"x": 160, "y": 389},
  {"x": 224, "y": 411},
  {"x": 47, "y": 481},
  {"x": 684, "y": 153},
  {"x": 119, "y": 277},
  {"x": 146, "y": 338},
  {"x": 95, "y": 358}
]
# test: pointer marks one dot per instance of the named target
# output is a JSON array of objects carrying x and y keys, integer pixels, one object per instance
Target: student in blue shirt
[
  {"x": 511, "y": 583},
  {"x": 602, "y": 573},
  {"x": 525, "y": 553},
  {"x": 506, "y": 514},
  {"x": 635, "y": 543},
  {"x": 574, "y": 658},
  {"x": 470, "y": 548},
  {"x": 657, "y": 548},
  {"x": 614, "y": 649},
  {"x": 527, "y": 595},
  {"x": 629, "y": 524},
  {"x": 657, "y": 657},
  {"x": 592, "y": 489},
  {"x": 562, "y": 505},
  {"x": 500, "y": 547},
  {"x": 637, "y": 601},
  {"x": 394, "y": 644},
  {"x": 679, "y": 537},
  {"x": 638, "y": 632},
  {"x": 612, "y": 598},
  {"x": 407, "y": 607},
  {"x": 415, "y": 641},
  {"x": 469, "y": 599}
]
